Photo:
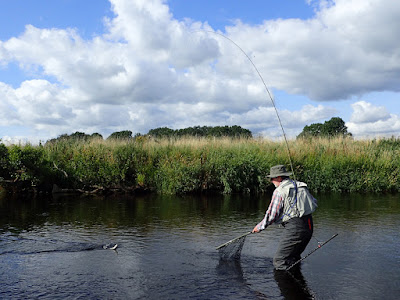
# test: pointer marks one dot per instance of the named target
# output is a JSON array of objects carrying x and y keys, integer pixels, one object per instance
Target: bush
[
  {"x": 4, "y": 162},
  {"x": 28, "y": 166}
]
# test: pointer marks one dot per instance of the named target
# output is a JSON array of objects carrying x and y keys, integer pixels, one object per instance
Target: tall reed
[{"x": 193, "y": 165}]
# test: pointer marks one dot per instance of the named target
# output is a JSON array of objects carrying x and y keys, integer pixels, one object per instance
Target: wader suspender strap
[
  {"x": 295, "y": 195},
  {"x": 295, "y": 200}
]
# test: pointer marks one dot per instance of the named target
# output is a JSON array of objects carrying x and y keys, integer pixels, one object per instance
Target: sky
[{"x": 99, "y": 66}]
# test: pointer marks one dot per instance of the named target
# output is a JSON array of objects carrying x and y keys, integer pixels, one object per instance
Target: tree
[
  {"x": 121, "y": 135},
  {"x": 76, "y": 136},
  {"x": 311, "y": 130},
  {"x": 96, "y": 136},
  {"x": 332, "y": 128},
  {"x": 161, "y": 132}
]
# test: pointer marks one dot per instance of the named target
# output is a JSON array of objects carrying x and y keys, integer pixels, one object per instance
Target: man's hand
[{"x": 256, "y": 229}]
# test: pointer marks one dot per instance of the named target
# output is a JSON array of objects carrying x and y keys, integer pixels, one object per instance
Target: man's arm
[{"x": 273, "y": 213}]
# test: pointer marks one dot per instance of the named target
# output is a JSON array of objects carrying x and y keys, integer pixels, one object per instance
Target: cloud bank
[
  {"x": 372, "y": 121},
  {"x": 149, "y": 70}
]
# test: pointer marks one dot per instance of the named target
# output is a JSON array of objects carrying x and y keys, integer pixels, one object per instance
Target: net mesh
[{"x": 232, "y": 250}]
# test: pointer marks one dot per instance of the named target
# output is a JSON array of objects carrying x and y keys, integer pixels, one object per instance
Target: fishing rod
[
  {"x": 287, "y": 148},
  {"x": 311, "y": 252},
  {"x": 268, "y": 92},
  {"x": 242, "y": 237}
]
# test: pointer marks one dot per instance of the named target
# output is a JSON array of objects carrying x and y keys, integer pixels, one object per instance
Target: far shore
[{"x": 199, "y": 165}]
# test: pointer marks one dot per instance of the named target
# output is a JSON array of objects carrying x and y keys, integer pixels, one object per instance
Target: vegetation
[
  {"x": 80, "y": 136},
  {"x": 333, "y": 128},
  {"x": 162, "y": 132},
  {"x": 204, "y": 131},
  {"x": 199, "y": 165}
]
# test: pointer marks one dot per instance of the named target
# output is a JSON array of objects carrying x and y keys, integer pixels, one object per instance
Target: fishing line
[
  {"x": 233, "y": 248},
  {"x": 266, "y": 88},
  {"x": 238, "y": 242}
]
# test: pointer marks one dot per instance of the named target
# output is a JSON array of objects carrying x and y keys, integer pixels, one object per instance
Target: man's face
[{"x": 276, "y": 181}]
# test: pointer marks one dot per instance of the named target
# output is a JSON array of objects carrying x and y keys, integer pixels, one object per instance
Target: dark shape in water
[{"x": 292, "y": 284}]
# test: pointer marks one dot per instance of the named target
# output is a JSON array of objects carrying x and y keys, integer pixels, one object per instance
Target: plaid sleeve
[{"x": 274, "y": 211}]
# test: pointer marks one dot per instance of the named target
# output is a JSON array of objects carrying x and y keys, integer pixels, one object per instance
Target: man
[{"x": 292, "y": 206}]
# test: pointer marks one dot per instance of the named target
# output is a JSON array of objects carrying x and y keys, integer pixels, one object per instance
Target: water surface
[{"x": 51, "y": 248}]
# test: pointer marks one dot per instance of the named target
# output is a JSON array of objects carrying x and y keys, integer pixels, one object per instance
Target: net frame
[{"x": 232, "y": 249}]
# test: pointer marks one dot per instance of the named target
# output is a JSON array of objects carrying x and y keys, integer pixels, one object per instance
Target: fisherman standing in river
[{"x": 291, "y": 206}]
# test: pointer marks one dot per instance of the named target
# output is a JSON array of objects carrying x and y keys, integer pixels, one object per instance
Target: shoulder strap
[
  {"x": 295, "y": 195},
  {"x": 294, "y": 202}
]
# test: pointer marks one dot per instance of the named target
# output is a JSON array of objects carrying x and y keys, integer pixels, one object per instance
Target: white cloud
[
  {"x": 8, "y": 114},
  {"x": 150, "y": 70},
  {"x": 364, "y": 112},
  {"x": 265, "y": 119},
  {"x": 347, "y": 49},
  {"x": 368, "y": 120},
  {"x": 17, "y": 140}
]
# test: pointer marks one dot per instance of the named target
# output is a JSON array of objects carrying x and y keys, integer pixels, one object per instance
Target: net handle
[{"x": 232, "y": 240}]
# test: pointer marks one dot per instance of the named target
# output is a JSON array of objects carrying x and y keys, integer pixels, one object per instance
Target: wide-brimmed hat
[{"x": 279, "y": 170}]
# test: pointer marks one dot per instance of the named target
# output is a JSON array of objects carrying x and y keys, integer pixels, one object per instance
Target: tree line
[
  {"x": 164, "y": 132},
  {"x": 203, "y": 131},
  {"x": 332, "y": 128}
]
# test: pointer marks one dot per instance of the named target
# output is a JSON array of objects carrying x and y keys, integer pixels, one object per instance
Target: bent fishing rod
[
  {"x": 287, "y": 148},
  {"x": 268, "y": 92},
  {"x": 277, "y": 115}
]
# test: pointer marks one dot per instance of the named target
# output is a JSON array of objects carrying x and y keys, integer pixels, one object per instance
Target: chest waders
[{"x": 298, "y": 230}]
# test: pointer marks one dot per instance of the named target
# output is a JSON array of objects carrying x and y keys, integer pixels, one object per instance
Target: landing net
[{"x": 232, "y": 249}]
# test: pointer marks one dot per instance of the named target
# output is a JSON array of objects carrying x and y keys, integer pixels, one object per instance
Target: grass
[{"x": 194, "y": 165}]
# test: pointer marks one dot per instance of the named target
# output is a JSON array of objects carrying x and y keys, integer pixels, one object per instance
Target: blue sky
[
  {"x": 87, "y": 16},
  {"x": 105, "y": 66},
  {"x": 221, "y": 13}
]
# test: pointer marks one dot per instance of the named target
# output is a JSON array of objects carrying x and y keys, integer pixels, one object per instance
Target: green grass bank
[{"x": 192, "y": 165}]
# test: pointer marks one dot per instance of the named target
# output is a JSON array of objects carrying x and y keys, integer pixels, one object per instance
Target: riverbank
[{"x": 193, "y": 165}]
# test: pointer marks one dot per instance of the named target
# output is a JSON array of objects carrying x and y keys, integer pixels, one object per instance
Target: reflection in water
[
  {"x": 231, "y": 269},
  {"x": 232, "y": 272},
  {"x": 167, "y": 249},
  {"x": 292, "y": 284}
]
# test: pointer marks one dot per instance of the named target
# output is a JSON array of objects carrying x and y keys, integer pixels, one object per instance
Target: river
[{"x": 52, "y": 248}]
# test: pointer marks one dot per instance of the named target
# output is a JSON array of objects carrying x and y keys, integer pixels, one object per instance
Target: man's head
[{"x": 277, "y": 174}]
